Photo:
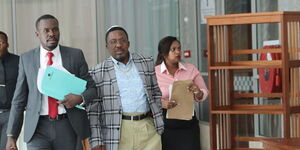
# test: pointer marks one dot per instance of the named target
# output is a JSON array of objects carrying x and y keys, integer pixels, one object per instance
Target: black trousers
[{"x": 3, "y": 126}]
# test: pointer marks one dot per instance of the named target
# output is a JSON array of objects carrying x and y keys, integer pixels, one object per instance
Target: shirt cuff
[
  {"x": 10, "y": 135},
  {"x": 95, "y": 143},
  {"x": 83, "y": 100}
]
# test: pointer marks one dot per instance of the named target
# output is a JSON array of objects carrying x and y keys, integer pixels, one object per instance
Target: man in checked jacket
[{"x": 127, "y": 113}]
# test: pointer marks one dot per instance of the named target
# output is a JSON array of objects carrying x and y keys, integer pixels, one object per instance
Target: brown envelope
[{"x": 184, "y": 99}]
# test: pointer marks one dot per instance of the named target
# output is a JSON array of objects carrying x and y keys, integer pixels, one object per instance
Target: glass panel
[
  {"x": 270, "y": 125},
  {"x": 266, "y": 5},
  {"x": 145, "y": 21},
  {"x": 290, "y": 5},
  {"x": 244, "y": 125}
]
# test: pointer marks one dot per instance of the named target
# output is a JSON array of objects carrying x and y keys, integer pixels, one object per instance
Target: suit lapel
[
  {"x": 65, "y": 59},
  {"x": 36, "y": 58},
  {"x": 36, "y": 63}
]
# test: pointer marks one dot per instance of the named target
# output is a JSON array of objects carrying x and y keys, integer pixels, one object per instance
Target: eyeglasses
[
  {"x": 174, "y": 49},
  {"x": 114, "y": 42}
]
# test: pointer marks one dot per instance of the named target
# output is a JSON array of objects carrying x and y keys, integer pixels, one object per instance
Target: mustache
[
  {"x": 119, "y": 49},
  {"x": 52, "y": 38}
]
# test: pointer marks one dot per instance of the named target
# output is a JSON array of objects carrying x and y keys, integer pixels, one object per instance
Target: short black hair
[
  {"x": 47, "y": 16},
  {"x": 5, "y": 35},
  {"x": 114, "y": 28}
]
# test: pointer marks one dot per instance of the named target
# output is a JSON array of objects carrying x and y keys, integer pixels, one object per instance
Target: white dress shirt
[{"x": 57, "y": 62}]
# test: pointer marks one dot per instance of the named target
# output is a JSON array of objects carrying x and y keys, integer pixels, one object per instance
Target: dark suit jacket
[
  {"x": 28, "y": 97},
  {"x": 11, "y": 63}
]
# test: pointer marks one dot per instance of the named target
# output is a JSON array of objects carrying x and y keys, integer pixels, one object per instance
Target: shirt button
[
  {"x": 118, "y": 128},
  {"x": 120, "y": 111}
]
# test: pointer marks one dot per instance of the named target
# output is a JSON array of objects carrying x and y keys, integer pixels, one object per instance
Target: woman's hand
[
  {"x": 166, "y": 104},
  {"x": 195, "y": 90}
]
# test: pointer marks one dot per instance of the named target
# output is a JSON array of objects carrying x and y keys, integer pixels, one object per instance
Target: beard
[
  {"x": 122, "y": 58},
  {"x": 51, "y": 47}
]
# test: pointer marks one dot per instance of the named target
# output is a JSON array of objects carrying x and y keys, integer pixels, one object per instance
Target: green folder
[{"x": 58, "y": 84}]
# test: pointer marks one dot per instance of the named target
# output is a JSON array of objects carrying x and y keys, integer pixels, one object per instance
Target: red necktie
[{"x": 52, "y": 105}]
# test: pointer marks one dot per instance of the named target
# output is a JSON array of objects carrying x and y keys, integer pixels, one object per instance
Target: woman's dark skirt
[{"x": 181, "y": 134}]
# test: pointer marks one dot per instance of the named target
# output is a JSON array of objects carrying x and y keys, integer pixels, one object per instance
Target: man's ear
[{"x": 36, "y": 33}]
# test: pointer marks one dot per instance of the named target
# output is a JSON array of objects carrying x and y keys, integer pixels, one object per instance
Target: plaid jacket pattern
[{"x": 105, "y": 112}]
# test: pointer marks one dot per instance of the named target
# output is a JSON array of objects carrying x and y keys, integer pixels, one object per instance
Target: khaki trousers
[{"x": 139, "y": 135}]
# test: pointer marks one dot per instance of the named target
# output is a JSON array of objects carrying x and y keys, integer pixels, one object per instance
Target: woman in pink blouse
[{"x": 178, "y": 134}]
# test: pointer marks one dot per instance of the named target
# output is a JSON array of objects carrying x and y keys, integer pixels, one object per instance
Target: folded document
[{"x": 184, "y": 99}]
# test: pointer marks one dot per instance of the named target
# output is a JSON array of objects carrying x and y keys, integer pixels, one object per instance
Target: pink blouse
[{"x": 185, "y": 72}]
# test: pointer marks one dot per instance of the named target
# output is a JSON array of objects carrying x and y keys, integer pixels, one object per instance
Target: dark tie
[
  {"x": 52, "y": 105},
  {"x": 3, "y": 97}
]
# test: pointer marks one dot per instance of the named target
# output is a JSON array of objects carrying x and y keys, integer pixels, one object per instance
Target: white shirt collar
[
  {"x": 163, "y": 67},
  {"x": 55, "y": 51}
]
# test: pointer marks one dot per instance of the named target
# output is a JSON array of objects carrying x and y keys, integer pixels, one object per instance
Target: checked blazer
[{"x": 105, "y": 112}]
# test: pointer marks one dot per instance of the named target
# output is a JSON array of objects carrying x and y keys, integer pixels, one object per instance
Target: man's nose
[
  {"x": 118, "y": 44},
  {"x": 51, "y": 33}
]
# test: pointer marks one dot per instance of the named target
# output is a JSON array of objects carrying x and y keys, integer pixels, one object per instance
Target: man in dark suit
[
  {"x": 8, "y": 78},
  {"x": 49, "y": 124}
]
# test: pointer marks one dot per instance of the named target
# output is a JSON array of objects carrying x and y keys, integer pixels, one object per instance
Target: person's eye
[
  {"x": 123, "y": 41},
  {"x": 55, "y": 29},
  {"x": 112, "y": 42}
]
